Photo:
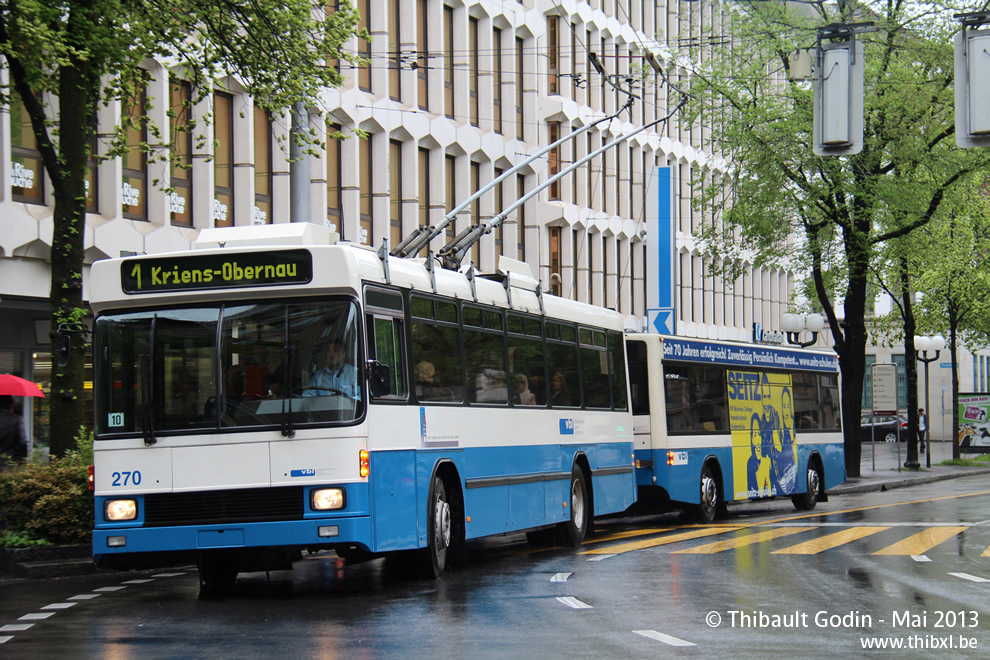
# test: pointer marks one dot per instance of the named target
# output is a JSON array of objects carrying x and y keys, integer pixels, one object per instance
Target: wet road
[{"x": 911, "y": 565}]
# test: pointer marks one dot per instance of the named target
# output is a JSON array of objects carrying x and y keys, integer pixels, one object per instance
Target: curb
[
  {"x": 47, "y": 561},
  {"x": 880, "y": 485}
]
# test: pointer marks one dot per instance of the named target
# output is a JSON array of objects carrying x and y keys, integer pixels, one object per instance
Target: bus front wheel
[
  {"x": 708, "y": 507},
  {"x": 576, "y": 528},
  {"x": 439, "y": 530}
]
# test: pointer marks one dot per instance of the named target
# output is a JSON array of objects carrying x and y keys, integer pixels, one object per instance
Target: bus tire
[
  {"x": 807, "y": 501},
  {"x": 439, "y": 530},
  {"x": 711, "y": 501},
  {"x": 573, "y": 531}
]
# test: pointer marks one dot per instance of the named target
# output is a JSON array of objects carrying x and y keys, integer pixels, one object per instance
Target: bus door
[{"x": 638, "y": 358}]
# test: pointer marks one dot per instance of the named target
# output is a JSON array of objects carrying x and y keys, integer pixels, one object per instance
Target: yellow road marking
[
  {"x": 627, "y": 534},
  {"x": 986, "y": 553},
  {"x": 742, "y": 541},
  {"x": 829, "y": 541},
  {"x": 662, "y": 540},
  {"x": 921, "y": 542}
]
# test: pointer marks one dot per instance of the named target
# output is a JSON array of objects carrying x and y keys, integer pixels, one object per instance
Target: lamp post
[
  {"x": 795, "y": 324},
  {"x": 921, "y": 346}
]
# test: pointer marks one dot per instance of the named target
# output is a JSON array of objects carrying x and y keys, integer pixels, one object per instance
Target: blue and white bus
[
  {"x": 719, "y": 421},
  {"x": 271, "y": 392}
]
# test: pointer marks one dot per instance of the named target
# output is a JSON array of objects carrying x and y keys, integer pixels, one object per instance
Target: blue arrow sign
[{"x": 660, "y": 280}]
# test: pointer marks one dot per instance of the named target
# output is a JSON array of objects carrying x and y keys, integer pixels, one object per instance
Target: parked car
[{"x": 883, "y": 428}]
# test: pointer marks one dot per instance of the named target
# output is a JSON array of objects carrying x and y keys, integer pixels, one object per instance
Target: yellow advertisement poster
[{"x": 761, "y": 416}]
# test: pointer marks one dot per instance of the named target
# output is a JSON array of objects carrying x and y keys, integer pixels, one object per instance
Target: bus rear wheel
[
  {"x": 807, "y": 501},
  {"x": 439, "y": 530},
  {"x": 708, "y": 506},
  {"x": 573, "y": 531}
]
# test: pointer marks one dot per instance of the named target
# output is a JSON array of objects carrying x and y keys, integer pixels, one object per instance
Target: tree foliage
[
  {"x": 843, "y": 209},
  {"x": 67, "y": 58}
]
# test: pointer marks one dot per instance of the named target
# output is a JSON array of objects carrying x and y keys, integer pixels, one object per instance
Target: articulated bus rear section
[{"x": 717, "y": 422}]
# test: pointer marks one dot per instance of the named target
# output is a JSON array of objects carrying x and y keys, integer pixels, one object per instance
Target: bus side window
[
  {"x": 385, "y": 346},
  {"x": 639, "y": 377}
]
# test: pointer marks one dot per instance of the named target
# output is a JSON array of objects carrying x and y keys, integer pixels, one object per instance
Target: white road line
[
  {"x": 137, "y": 581},
  {"x": 36, "y": 616},
  {"x": 106, "y": 589},
  {"x": 920, "y": 558},
  {"x": 561, "y": 577},
  {"x": 574, "y": 603},
  {"x": 666, "y": 639},
  {"x": 83, "y": 597},
  {"x": 59, "y": 606},
  {"x": 160, "y": 575},
  {"x": 15, "y": 627},
  {"x": 4, "y": 640},
  {"x": 971, "y": 578},
  {"x": 600, "y": 557}
]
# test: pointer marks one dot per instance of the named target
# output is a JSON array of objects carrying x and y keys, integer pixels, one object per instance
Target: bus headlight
[
  {"x": 327, "y": 499},
  {"x": 119, "y": 510}
]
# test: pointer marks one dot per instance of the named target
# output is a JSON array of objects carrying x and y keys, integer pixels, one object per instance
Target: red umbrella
[{"x": 16, "y": 386}]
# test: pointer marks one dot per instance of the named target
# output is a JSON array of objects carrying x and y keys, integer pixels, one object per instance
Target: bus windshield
[{"x": 221, "y": 367}]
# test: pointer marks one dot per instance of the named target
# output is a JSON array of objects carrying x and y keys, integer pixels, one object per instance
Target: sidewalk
[{"x": 882, "y": 473}]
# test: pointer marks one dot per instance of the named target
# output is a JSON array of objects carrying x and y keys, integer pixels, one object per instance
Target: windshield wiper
[
  {"x": 147, "y": 379},
  {"x": 287, "y": 429}
]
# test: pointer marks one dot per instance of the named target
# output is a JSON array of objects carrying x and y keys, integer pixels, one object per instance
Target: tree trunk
[{"x": 911, "y": 367}]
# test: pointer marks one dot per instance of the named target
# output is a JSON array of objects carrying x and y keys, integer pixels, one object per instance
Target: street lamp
[
  {"x": 921, "y": 346},
  {"x": 795, "y": 324}
]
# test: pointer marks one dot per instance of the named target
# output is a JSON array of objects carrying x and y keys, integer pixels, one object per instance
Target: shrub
[{"x": 52, "y": 502}]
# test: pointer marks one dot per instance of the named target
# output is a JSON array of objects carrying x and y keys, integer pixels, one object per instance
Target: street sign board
[{"x": 884, "y": 382}]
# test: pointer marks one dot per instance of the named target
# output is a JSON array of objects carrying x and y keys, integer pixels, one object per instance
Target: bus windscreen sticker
[{"x": 189, "y": 272}]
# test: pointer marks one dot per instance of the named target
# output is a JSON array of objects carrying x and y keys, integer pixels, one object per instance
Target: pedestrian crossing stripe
[
  {"x": 921, "y": 542},
  {"x": 829, "y": 541},
  {"x": 741, "y": 541},
  {"x": 662, "y": 540}
]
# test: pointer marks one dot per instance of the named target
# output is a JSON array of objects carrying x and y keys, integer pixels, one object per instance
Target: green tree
[
  {"x": 88, "y": 53},
  {"x": 842, "y": 209}
]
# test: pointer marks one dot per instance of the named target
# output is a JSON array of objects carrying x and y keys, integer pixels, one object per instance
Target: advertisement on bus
[{"x": 761, "y": 417}]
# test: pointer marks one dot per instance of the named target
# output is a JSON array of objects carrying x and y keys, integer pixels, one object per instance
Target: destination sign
[{"x": 189, "y": 272}]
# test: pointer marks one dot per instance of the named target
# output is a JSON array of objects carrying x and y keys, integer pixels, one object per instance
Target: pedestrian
[
  {"x": 13, "y": 444},
  {"x": 922, "y": 427}
]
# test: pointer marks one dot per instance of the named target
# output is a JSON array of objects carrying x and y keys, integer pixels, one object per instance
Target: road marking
[
  {"x": 741, "y": 541},
  {"x": 15, "y": 627},
  {"x": 920, "y": 543},
  {"x": 106, "y": 589},
  {"x": 161, "y": 575},
  {"x": 666, "y": 639},
  {"x": 600, "y": 557},
  {"x": 137, "y": 581},
  {"x": 83, "y": 597},
  {"x": 561, "y": 577},
  {"x": 36, "y": 616},
  {"x": 986, "y": 553},
  {"x": 4, "y": 640},
  {"x": 820, "y": 514},
  {"x": 574, "y": 603},
  {"x": 662, "y": 540},
  {"x": 971, "y": 578},
  {"x": 920, "y": 558},
  {"x": 59, "y": 606},
  {"x": 828, "y": 542},
  {"x": 633, "y": 532}
]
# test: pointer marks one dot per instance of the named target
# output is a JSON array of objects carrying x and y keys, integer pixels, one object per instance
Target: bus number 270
[{"x": 126, "y": 478}]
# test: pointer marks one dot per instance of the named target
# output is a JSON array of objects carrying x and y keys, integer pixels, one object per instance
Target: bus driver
[{"x": 336, "y": 376}]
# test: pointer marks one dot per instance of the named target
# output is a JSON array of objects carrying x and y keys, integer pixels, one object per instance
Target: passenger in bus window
[
  {"x": 559, "y": 393},
  {"x": 337, "y": 376},
  {"x": 521, "y": 395},
  {"x": 425, "y": 379}
]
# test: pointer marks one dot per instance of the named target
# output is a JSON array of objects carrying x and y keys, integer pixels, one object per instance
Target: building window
[
  {"x": 476, "y": 211},
  {"x": 450, "y": 174},
  {"x": 499, "y": 231},
  {"x": 92, "y": 178},
  {"x": 395, "y": 54},
  {"x": 448, "y": 62},
  {"x": 334, "y": 155},
  {"x": 497, "y": 83},
  {"x": 395, "y": 192},
  {"x": 366, "y": 210},
  {"x": 364, "y": 48},
  {"x": 519, "y": 89},
  {"x": 553, "y": 55},
  {"x": 473, "y": 70},
  {"x": 26, "y": 171},
  {"x": 223, "y": 160},
  {"x": 424, "y": 188},
  {"x": 262, "y": 168},
  {"x": 181, "y": 181},
  {"x": 554, "y": 158},
  {"x": 898, "y": 360},
  {"x": 555, "y": 261},
  {"x": 135, "y": 160},
  {"x": 521, "y": 219},
  {"x": 422, "y": 55}
]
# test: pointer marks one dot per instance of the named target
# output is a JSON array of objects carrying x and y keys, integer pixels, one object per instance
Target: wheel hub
[{"x": 442, "y": 523}]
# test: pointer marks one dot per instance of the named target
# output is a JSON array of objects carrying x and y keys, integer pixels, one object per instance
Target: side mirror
[
  {"x": 379, "y": 376},
  {"x": 63, "y": 349}
]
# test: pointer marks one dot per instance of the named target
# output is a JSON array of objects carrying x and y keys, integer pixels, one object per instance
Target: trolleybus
[
  {"x": 271, "y": 392},
  {"x": 719, "y": 421}
]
